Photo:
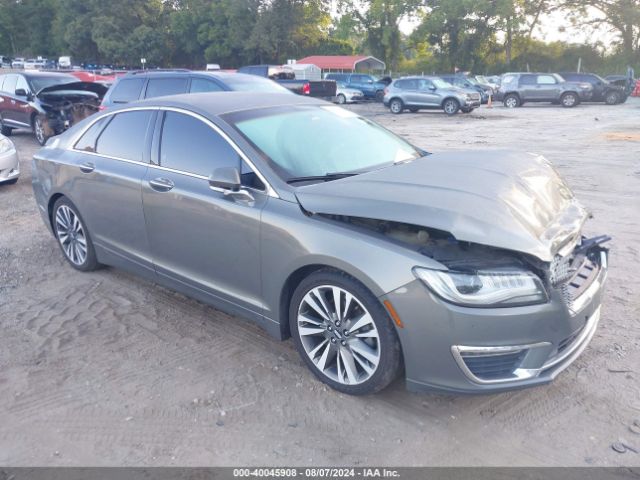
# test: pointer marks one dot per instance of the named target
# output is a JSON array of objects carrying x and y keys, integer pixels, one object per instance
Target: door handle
[
  {"x": 87, "y": 167},
  {"x": 161, "y": 184}
]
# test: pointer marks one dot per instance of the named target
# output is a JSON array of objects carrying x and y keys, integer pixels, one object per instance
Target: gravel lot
[{"x": 107, "y": 369}]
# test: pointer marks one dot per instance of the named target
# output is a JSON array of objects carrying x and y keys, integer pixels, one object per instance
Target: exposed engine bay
[
  {"x": 67, "y": 104},
  {"x": 465, "y": 256}
]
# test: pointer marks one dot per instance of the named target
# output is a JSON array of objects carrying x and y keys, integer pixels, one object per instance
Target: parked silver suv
[
  {"x": 415, "y": 93},
  {"x": 518, "y": 88}
]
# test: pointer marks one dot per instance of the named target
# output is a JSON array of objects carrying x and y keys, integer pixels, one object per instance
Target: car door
[
  {"x": 427, "y": 93},
  {"x": 204, "y": 242},
  {"x": 199, "y": 85},
  {"x": 111, "y": 159},
  {"x": 23, "y": 103},
  {"x": 528, "y": 88},
  {"x": 547, "y": 88},
  {"x": 11, "y": 105}
]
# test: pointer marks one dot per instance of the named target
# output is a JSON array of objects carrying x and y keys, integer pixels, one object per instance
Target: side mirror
[
  {"x": 369, "y": 81},
  {"x": 226, "y": 178},
  {"x": 432, "y": 88},
  {"x": 21, "y": 92}
]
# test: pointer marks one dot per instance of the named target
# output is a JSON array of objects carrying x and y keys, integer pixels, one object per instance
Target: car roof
[
  {"x": 177, "y": 73},
  {"x": 36, "y": 73},
  {"x": 219, "y": 103}
]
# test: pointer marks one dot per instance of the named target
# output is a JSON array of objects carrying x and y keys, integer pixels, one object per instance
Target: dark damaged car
[
  {"x": 47, "y": 103},
  {"x": 467, "y": 271}
]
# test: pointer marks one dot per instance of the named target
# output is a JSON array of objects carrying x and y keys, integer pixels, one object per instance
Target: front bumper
[
  {"x": 472, "y": 103},
  {"x": 9, "y": 166},
  {"x": 486, "y": 350}
]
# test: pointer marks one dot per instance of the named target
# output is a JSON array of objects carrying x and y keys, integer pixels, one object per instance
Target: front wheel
[
  {"x": 612, "y": 98},
  {"x": 569, "y": 100},
  {"x": 6, "y": 131},
  {"x": 466, "y": 110},
  {"x": 342, "y": 99},
  {"x": 451, "y": 106},
  {"x": 343, "y": 333},
  {"x": 511, "y": 101},
  {"x": 39, "y": 130},
  {"x": 73, "y": 236},
  {"x": 396, "y": 106}
]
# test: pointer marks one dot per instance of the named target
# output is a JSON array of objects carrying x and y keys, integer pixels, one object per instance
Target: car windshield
[
  {"x": 439, "y": 83},
  {"x": 251, "y": 83},
  {"x": 38, "y": 83},
  {"x": 305, "y": 141}
]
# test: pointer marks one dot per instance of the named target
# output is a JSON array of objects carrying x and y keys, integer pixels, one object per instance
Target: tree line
[{"x": 484, "y": 36}]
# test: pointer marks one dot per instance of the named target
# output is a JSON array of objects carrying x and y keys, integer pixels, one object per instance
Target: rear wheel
[
  {"x": 413, "y": 109},
  {"x": 569, "y": 100},
  {"x": 612, "y": 98},
  {"x": 13, "y": 181},
  {"x": 73, "y": 236},
  {"x": 450, "y": 106},
  {"x": 511, "y": 101},
  {"x": 379, "y": 95},
  {"x": 396, "y": 106},
  {"x": 343, "y": 333},
  {"x": 342, "y": 99}
]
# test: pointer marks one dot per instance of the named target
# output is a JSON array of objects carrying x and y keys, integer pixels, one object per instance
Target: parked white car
[
  {"x": 345, "y": 94},
  {"x": 17, "y": 63},
  {"x": 9, "y": 163}
]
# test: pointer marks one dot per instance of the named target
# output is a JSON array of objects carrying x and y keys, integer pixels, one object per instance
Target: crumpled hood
[
  {"x": 510, "y": 200},
  {"x": 93, "y": 87}
]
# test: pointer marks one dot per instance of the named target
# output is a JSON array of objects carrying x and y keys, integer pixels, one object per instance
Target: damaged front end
[
  {"x": 483, "y": 276},
  {"x": 65, "y": 105}
]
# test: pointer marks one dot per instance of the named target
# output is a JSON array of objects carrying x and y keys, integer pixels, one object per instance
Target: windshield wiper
[{"x": 327, "y": 177}]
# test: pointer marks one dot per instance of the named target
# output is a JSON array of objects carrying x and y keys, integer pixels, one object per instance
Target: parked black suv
[
  {"x": 518, "y": 88},
  {"x": 603, "y": 91},
  {"x": 153, "y": 83}
]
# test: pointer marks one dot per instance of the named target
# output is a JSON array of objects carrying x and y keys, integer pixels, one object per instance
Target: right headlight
[
  {"x": 5, "y": 145},
  {"x": 506, "y": 288}
]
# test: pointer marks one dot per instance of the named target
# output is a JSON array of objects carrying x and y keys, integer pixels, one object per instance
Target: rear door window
[
  {"x": 159, "y": 87},
  {"x": 190, "y": 145},
  {"x": 127, "y": 90},
  {"x": 199, "y": 85},
  {"x": 546, "y": 80},
  {"x": 125, "y": 135}
]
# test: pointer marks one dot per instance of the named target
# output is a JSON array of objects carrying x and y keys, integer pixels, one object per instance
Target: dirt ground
[{"x": 107, "y": 369}]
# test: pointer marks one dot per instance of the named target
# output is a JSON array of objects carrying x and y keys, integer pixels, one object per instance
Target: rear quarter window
[
  {"x": 127, "y": 90},
  {"x": 87, "y": 142}
]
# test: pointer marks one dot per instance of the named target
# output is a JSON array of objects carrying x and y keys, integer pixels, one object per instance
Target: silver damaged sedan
[{"x": 468, "y": 272}]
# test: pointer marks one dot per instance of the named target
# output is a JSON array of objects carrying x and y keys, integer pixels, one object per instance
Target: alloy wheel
[
  {"x": 511, "y": 102},
  {"x": 342, "y": 99},
  {"x": 569, "y": 100},
  {"x": 450, "y": 107},
  {"x": 71, "y": 235},
  {"x": 338, "y": 334},
  {"x": 38, "y": 129},
  {"x": 396, "y": 106}
]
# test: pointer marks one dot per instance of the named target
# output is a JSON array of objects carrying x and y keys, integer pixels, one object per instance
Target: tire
[
  {"x": 357, "y": 362},
  {"x": 39, "y": 130},
  {"x": 13, "y": 181},
  {"x": 511, "y": 101},
  {"x": 342, "y": 99},
  {"x": 413, "y": 109},
  {"x": 612, "y": 98},
  {"x": 466, "y": 110},
  {"x": 396, "y": 106},
  {"x": 450, "y": 106},
  {"x": 70, "y": 235},
  {"x": 379, "y": 95},
  {"x": 569, "y": 100},
  {"x": 6, "y": 131}
]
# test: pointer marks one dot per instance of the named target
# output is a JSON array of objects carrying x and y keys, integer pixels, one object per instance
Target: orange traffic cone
[{"x": 489, "y": 102}]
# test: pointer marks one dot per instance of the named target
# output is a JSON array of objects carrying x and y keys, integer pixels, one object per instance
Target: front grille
[
  {"x": 582, "y": 277},
  {"x": 493, "y": 366}
]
